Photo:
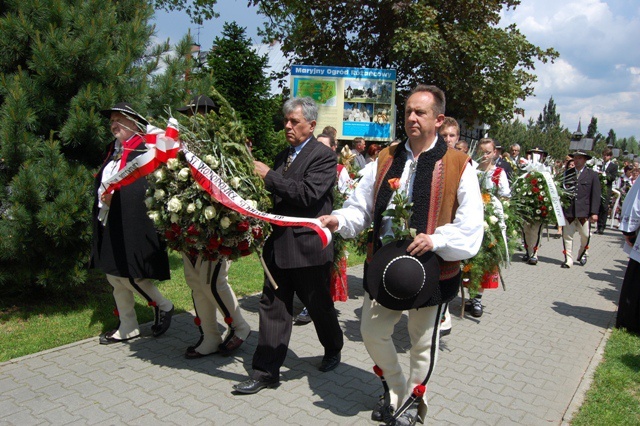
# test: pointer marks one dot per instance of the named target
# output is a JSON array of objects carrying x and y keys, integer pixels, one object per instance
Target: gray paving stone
[{"x": 521, "y": 363}]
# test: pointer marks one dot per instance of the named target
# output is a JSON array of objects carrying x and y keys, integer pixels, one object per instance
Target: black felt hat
[
  {"x": 537, "y": 150},
  {"x": 197, "y": 102},
  {"x": 399, "y": 281},
  {"x": 126, "y": 109},
  {"x": 580, "y": 152}
]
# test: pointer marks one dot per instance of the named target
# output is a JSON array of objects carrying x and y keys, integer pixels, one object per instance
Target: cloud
[{"x": 598, "y": 72}]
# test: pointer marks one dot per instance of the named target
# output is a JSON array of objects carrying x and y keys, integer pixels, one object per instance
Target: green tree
[
  {"x": 548, "y": 118},
  {"x": 456, "y": 45},
  {"x": 61, "y": 62},
  {"x": 239, "y": 75},
  {"x": 611, "y": 137}
]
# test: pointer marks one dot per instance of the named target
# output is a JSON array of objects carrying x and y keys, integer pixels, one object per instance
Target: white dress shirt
[{"x": 458, "y": 240}]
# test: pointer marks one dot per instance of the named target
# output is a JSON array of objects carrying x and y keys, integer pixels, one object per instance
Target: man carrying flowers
[{"x": 444, "y": 197}]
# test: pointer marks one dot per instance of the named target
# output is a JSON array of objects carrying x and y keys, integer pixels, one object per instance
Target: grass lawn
[
  {"x": 614, "y": 396},
  {"x": 47, "y": 321}
]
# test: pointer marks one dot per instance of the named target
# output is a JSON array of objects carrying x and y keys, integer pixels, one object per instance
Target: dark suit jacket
[
  {"x": 612, "y": 173},
  {"x": 586, "y": 201},
  {"x": 304, "y": 190},
  {"x": 504, "y": 164}
]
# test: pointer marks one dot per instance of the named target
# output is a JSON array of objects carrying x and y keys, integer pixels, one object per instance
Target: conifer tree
[
  {"x": 61, "y": 62},
  {"x": 239, "y": 76}
]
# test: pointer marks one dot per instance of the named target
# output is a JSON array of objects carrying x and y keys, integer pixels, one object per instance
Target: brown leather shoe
[{"x": 230, "y": 345}]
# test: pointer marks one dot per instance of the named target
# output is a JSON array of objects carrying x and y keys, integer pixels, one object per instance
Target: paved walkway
[{"x": 527, "y": 361}]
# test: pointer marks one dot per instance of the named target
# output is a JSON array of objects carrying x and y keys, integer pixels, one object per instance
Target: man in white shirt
[{"x": 445, "y": 214}]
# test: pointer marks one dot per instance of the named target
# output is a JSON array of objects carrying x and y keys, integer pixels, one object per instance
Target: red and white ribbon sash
[
  {"x": 211, "y": 182},
  {"x": 164, "y": 145}
]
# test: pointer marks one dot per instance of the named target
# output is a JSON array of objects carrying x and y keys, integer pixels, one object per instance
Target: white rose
[
  {"x": 541, "y": 192},
  {"x": 154, "y": 216},
  {"x": 225, "y": 222},
  {"x": 546, "y": 199},
  {"x": 184, "y": 174},
  {"x": 235, "y": 182},
  {"x": 191, "y": 208},
  {"x": 148, "y": 202},
  {"x": 209, "y": 212},
  {"x": 159, "y": 174},
  {"x": 211, "y": 161},
  {"x": 493, "y": 219},
  {"x": 173, "y": 163},
  {"x": 175, "y": 218},
  {"x": 174, "y": 205},
  {"x": 538, "y": 211},
  {"x": 485, "y": 225},
  {"x": 159, "y": 194}
]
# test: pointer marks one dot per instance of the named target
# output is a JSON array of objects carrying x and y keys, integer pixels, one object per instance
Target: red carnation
[
  {"x": 419, "y": 391},
  {"x": 540, "y": 198},
  {"x": 543, "y": 207},
  {"x": 245, "y": 252},
  {"x": 176, "y": 228},
  {"x": 228, "y": 320},
  {"x": 543, "y": 214},
  {"x": 242, "y": 226},
  {"x": 257, "y": 232},
  {"x": 225, "y": 251},
  {"x": 535, "y": 189},
  {"x": 214, "y": 243},
  {"x": 243, "y": 245},
  {"x": 534, "y": 181},
  {"x": 197, "y": 321},
  {"x": 377, "y": 370},
  {"x": 169, "y": 235},
  {"x": 193, "y": 230}
]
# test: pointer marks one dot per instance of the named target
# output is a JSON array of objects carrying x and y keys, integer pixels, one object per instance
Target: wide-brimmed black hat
[
  {"x": 399, "y": 281},
  {"x": 537, "y": 150},
  {"x": 580, "y": 152},
  {"x": 126, "y": 109},
  {"x": 197, "y": 102}
]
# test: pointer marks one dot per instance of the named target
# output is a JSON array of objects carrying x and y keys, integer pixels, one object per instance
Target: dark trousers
[
  {"x": 312, "y": 286},
  {"x": 603, "y": 214}
]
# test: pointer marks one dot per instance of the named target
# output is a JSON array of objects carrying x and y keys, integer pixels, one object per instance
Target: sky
[{"x": 597, "y": 73}]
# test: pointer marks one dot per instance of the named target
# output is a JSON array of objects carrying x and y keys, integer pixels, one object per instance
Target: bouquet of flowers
[
  {"x": 531, "y": 194},
  {"x": 400, "y": 214},
  {"x": 498, "y": 244},
  {"x": 189, "y": 218}
]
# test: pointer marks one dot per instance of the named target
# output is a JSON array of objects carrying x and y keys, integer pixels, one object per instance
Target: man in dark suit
[
  {"x": 301, "y": 184},
  {"x": 610, "y": 170},
  {"x": 502, "y": 163},
  {"x": 583, "y": 209}
]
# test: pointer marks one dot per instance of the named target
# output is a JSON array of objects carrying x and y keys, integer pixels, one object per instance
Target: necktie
[{"x": 287, "y": 163}]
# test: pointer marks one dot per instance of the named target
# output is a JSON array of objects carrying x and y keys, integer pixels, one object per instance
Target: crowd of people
[{"x": 433, "y": 173}]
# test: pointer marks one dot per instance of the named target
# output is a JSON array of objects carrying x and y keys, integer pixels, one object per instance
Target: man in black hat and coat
[
  {"x": 584, "y": 184},
  {"x": 126, "y": 246},
  {"x": 444, "y": 189}
]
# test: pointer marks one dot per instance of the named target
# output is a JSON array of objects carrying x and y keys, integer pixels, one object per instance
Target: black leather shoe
[
  {"x": 445, "y": 332},
  {"x": 583, "y": 260},
  {"x": 378, "y": 410},
  {"x": 329, "y": 362},
  {"x": 107, "y": 338},
  {"x": 164, "y": 321},
  {"x": 254, "y": 386},
  {"x": 565, "y": 266}
]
